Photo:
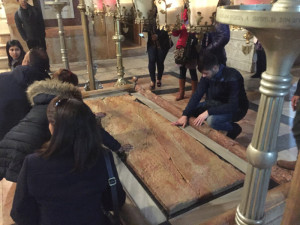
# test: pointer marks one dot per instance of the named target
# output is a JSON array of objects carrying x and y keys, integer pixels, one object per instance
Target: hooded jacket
[
  {"x": 32, "y": 131},
  {"x": 14, "y": 104}
]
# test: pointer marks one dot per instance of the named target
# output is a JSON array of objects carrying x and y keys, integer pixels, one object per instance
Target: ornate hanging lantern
[
  {"x": 169, "y": 13},
  {"x": 201, "y": 15},
  {"x": 145, "y": 12},
  {"x": 251, "y": 2}
]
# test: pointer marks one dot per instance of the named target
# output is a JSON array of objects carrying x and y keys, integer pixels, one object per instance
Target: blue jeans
[
  {"x": 157, "y": 57},
  {"x": 217, "y": 122}
]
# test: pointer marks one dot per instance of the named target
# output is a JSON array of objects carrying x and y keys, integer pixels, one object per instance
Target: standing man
[
  {"x": 226, "y": 100},
  {"x": 30, "y": 24}
]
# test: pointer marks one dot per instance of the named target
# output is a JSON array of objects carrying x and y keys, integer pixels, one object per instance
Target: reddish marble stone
[
  {"x": 278, "y": 174},
  {"x": 177, "y": 169}
]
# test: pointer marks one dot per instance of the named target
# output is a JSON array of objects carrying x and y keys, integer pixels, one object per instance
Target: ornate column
[
  {"x": 58, "y": 6},
  {"x": 278, "y": 29},
  {"x": 118, "y": 38},
  {"x": 87, "y": 44}
]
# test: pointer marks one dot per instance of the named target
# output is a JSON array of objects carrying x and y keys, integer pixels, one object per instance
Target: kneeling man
[{"x": 225, "y": 98}]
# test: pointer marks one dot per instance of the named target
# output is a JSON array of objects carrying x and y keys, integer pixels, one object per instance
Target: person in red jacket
[{"x": 191, "y": 62}]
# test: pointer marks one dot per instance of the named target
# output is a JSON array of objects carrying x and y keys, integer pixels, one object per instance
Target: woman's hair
[
  {"x": 11, "y": 44},
  {"x": 65, "y": 75},
  {"x": 75, "y": 132}
]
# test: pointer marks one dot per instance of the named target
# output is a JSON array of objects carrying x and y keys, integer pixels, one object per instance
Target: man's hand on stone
[
  {"x": 200, "y": 119},
  {"x": 182, "y": 121},
  {"x": 294, "y": 101}
]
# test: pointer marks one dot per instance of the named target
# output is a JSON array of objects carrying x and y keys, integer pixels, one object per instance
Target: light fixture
[
  {"x": 144, "y": 11},
  {"x": 169, "y": 14},
  {"x": 201, "y": 15},
  {"x": 251, "y": 2}
]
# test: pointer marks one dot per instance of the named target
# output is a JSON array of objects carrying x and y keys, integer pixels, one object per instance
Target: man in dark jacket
[
  {"x": 226, "y": 100},
  {"x": 30, "y": 24},
  {"x": 13, "y": 101},
  {"x": 214, "y": 42}
]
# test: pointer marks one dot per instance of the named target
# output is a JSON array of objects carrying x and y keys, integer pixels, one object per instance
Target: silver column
[{"x": 277, "y": 27}]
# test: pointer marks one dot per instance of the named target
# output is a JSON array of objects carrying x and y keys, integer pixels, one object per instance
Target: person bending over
[
  {"x": 226, "y": 101},
  {"x": 67, "y": 181},
  {"x": 13, "y": 101}
]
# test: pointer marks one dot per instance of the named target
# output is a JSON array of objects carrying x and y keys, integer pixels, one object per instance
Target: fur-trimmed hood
[{"x": 52, "y": 87}]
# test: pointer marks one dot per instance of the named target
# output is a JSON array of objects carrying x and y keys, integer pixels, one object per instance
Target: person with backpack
[{"x": 30, "y": 24}]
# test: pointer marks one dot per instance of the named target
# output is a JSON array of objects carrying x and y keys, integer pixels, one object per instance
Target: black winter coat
[
  {"x": 31, "y": 24},
  {"x": 225, "y": 94},
  {"x": 214, "y": 42},
  {"x": 49, "y": 193},
  {"x": 163, "y": 40},
  {"x": 32, "y": 131},
  {"x": 13, "y": 101}
]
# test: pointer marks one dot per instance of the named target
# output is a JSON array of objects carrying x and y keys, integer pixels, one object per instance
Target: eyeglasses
[{"x": 60, "y": 102}]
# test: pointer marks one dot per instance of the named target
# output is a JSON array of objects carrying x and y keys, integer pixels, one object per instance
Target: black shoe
[
  {"x": 256, "y": 76},
  {"x": 235, "y": 131}
]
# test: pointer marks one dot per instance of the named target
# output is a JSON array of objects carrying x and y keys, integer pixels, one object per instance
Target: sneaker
[{"x": 236, "y": 130}]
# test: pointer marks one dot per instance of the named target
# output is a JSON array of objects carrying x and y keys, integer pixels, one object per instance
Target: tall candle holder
[
  {"x": 58, "y": 6},
  {"x": 87, "y": 44},
  {"x": 277, "y": 27}
]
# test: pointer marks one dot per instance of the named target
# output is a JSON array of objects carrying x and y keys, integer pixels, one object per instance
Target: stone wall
[
  {"x": 101, "y": 32},
  {"x": 239, "y": 54}
]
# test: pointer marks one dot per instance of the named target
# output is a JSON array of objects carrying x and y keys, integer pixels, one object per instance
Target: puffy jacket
[
  {"x": 14, "y": 104},
  {"x": 32, "y": 131}
]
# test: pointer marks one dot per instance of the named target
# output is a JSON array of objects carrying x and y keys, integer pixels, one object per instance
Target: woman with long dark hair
[
  {"x": 67, "y": 181},
  {"x": 15, "y": 53}
]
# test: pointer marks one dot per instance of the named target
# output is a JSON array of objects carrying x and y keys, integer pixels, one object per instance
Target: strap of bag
[{"x": 112, "y": 181}]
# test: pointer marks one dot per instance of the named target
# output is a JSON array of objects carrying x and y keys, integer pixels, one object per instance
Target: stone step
[
  {"x": 130, "y": 51},
  {"x": 2, "y": 49},
  {"x": 4, "y": 26},
  {"x": 3, "y": 63},
  {"x": 4, "y": 37}
]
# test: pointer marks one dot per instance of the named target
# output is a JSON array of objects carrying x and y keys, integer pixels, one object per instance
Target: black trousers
[{"x": 41, "y": 43}]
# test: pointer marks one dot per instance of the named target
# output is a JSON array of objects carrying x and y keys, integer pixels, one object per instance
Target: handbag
[
  {"x": 182, "y": 55},
  {"x": 114, "y": 218}
]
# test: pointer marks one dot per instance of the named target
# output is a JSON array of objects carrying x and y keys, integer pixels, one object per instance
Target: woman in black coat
[
  {"x": 32, "y": 131},
  {"x": 67, "y": 182}
]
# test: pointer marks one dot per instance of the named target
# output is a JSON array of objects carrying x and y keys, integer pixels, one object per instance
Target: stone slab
[{"x": 177, "y": 169}]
